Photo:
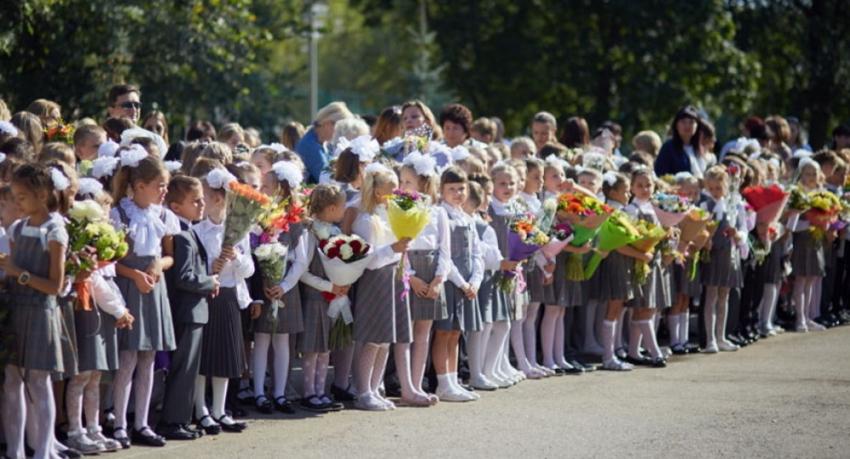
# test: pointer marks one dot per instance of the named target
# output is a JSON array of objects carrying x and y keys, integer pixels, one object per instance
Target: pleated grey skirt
[
  {"x": 648, "y": 294},
  {"x": 807, "y": 258},
  {"x": 37, "y": 322},
  {"x": 380, "y": 314},
  {"x": 567, "y": 293},
  {"x": 68, "y": 338},
  {"x": 503, "y": 303},
  {"x": 317, "y": 324},
  {"x": 683, "y": 285},
  {"x": 222, "y": 348},
  {"x": 97, "y": 341},
  {"x": 613, "y": 278},
  {"x": 424, "y": 263},
  {"x": 722, "y": 269},
  {"x": 537, "y": 291},
  {"x": 463, "y": 313},
  {"x": 289, "y": 317},
  {"x": 485, "y": 297}
]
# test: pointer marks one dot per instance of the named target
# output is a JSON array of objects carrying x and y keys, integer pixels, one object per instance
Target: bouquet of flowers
[
  {"x": 798, "y": 200},
  {"x": 244, "y": 207},
  {"x": 408, "y": 214},
  {"x": 93, "y": 243},
  {"x": 524, "y": 238},
  {"x": 275, "y": 220},
  {"x": 824, "y": 211},
  {"x": 586, "y": 214},
  {"x": 767, "y": 201},
  {"x": 670, "y": 208},
  {"x": 60, "y": 132},
  {"x": 271, "y": 258},
  {"x": 618, "y": 231},
  {"x": 693, "y": 224},
  {"x": 651, "y": 235},
  {"x": 344, "y": 259},
  {"x": 559, "y": 236}
]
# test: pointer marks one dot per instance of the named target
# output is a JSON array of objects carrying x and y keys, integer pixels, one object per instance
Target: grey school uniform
[
  {"x": 35, "y": 317},
  {"x": 537, "y": 291},
  {"x": 614, "y": 278},
  {"x": 289, "y": 317},
  {"x": 424, "y": 263},
  {"x": 97, "y": 341},
  {"x": 152, "y": 329},
  {"x": 68, "y": 338},
  {"x": 486, "y": 295},
  {"x": 807, "y": 254},
  {"x": 381, "y": 315},
  {"x": 651, "y": 293},
  {"x": 222, "y": 348},
  {"x": 724, "y": 266},
  {"x": 504, "y": 304},
  {"x": 682, "y": 283},
  {"x": 772, "y": 265},
  {"x": 567, "y": 293},
  {"x": 317, "y": 324},
  {"x": 463, "y": 313}
]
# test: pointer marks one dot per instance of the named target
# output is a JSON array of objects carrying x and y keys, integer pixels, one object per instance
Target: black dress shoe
[
  {"x": 263, "y": 404},
  {"x": 342, "y": 395},
  {"x": 70, "y": 453},
  {"x": 212, "y": 429},
  {"x": 124, "y": 441},
  {"x": 314, "y": 403},
  {"x": 679, "y": 350},
  {"x": 175, "y": 432},
  {"x": 693, "y": 348},
  {"x": 188, "y": 428},
  {"x": 148, "y": 438},
  {"x": 643, "y": 361},
  {"x": 229, "y": 425},
  {"x": 283, "y": 405},
  {"x": 660, "y": 362}
]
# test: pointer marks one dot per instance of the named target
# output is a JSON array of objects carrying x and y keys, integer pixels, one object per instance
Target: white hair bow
[
  {"x": 60, "y": 182},
  {"x": 8, "y": 128},
  {"x": 89, "y": 187},
  {"x": 133, "y": 156},
  {"x": 129, "y": 135},
  {"x": 173, "y": 166},
  {"x": 459, "y": 153},
  {"x": 684, "y": 175},
  {"x": 107, "y": 149},
  {"x": 218, "y": 179},
  {"x": 553, "y": 159},
  {"x": 610, "y": 178},
  {"x": 104, "y": 167},
  {"x": 422, "y": 164},
  {"x": 375, "y": 168},
  {"x": 289, "y": 172},
  {"x": 801, "y": 153},
  {"x": 365, "y": 147}
]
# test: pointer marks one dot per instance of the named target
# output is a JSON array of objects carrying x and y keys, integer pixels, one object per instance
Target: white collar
[
  {"x": 456, "y": 213},
  {"x": 506, "y": 208},
  {"x": 640, "y": 204}
]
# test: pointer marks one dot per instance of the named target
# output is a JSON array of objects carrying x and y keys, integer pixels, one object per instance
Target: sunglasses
[{"x": 129, "y": 105}]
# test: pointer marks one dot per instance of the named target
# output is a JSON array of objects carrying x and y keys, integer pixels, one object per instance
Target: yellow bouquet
[{"x": 408, "y": 213}]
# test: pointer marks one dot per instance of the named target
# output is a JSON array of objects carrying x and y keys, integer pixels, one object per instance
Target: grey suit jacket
[{"x": 189, "y": 285}]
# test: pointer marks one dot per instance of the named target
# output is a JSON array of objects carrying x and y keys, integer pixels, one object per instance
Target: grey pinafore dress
[
  {"x": 289, "y": 318},
  {"x": 463, "y": 313}
]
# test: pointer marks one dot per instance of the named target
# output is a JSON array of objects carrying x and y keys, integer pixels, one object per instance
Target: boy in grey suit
[{"x": 189, "y": 285}]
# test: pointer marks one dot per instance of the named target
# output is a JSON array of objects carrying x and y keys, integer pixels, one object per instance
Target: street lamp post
[{"x": 318, "y": 12}]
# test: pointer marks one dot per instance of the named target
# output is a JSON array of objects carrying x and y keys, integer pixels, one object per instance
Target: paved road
[{"x": 788, "y": 396}]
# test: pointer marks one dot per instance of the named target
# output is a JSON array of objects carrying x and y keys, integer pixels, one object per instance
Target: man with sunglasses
[{"x": 124, "y": 100}]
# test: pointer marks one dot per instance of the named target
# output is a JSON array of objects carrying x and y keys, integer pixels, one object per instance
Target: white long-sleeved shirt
[
  {"x": 211, "y": 236},
  {"x": 436, "y": 236},
  {"x": 299, "y": 261},
  {"x": 534, "y": 204},
  {"x": 325, "y": 229},
  {"x": 375, "y": 229},
  {"x": 477, "y": 274},
  {"x": 491, "y": 255}
]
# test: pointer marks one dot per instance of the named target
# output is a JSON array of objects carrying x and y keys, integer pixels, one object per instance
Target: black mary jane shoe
[
  {"x": 693, "y": 348},
  {"x": 679, "y": 350},
  {"x": 212, "y": 429},
  {"x": 643, "y": 361},
  {"x": 333, "y": 404},
  {"x": 283, "y": 405},
  {"x": 314, "y": 403},
  {"x": 660, "y": 362},
  {"x": 232, "y": 426},
  {"x": 342, "y": 395},
  {"x": 263, "y": 404},
  {"x": 152, "y": 439},
  {"x": 123, "y": 441}
]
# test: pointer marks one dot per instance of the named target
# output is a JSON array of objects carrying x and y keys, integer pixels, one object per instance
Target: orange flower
[
  {"x": 249, "y": 193},
  {"x": 574, "y": 208}
]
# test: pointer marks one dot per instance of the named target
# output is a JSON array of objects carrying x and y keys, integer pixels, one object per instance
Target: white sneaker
[
  {"x": 369, "y": 402},
  {"x": 454, "y": 395},
  {"x": 482, "y": 383},
  {"x": 711, "y": 348},
  {"x": 726, "y": 346}
]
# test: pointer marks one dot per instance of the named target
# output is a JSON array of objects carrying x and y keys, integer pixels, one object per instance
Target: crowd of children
[{"x": 432, "y": 321}]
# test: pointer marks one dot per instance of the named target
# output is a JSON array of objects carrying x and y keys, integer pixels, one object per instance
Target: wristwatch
[{"x": 24, "y": 278}]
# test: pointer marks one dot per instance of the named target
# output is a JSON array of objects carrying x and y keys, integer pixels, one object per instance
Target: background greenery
[{"x": 631, "y": 61}]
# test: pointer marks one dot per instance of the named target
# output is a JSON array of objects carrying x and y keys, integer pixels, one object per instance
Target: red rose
[
  {"x": 339, "y": 242},
  {"x": 323, "y": 243},
  {"x": 333, "y": 252},
  {"x": 356, "y": 246}
]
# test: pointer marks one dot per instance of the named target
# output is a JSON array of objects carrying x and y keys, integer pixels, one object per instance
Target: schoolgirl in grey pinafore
[
  {"x": 97, "y": 337},
  {"x": 614, "y": 277},
  {"x": 724, "y": 266},
  {"x": 486, "y": 296},
  {"x": 651, "y": 293},
  {"x": 152, "y": 329},
  {"x": 807, "y": 253},
  {"x": 425, "y": 262},
  {"x": 504, "y": 304},
  {"x": 463, "y": 313},
  {"x": 289, "y": 317},
  {"x": 35, "y": 317},
  {"x": 317, "y": 324},
  {"x": 381, "y": 315}
]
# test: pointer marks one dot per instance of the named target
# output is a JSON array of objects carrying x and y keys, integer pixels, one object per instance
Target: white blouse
[
  {"x": 533, "y": 202},
  {"x": 146, "y": 226},
  {"x": 298, "y": 262},
  {"x": 436, "y": 236},
  {"x": 211, "y": 236},
  {"x": 490, "y": 253},
  {"x": 375, "y": 230},
  {"x": 321, "y": 230}
]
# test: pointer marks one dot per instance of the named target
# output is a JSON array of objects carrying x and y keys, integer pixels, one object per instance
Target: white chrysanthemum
[
  {"x": 218, "y": 179},
  {"x": 90, "y": 187},
  {"x": 289, "y": 172},
  {"x": 86, "y": 210},
  {"x": 104, "y": 167}
]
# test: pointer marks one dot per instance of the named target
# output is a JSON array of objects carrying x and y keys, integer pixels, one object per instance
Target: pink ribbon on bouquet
[
  {"x": 405, "y": 277},
  {"x": 520, "y": 280}
]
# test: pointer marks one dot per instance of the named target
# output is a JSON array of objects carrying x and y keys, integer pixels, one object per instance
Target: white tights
[
  {"x": 83, "y": 392},
  {"x": 552, "y": 336},
  {"x": 716, "y": 307},
  {"x": 476, "y": 347},
  {"x": 315, "y": 373},
  {"x": 142, "y": 363},
  {"x": 768, "y": 306},
  {"x": 495, "y": 353},
  {"x": 262, "y": 341},
  {"x": 219, "y": 394},
  {"x": 529, "y": 333},
  {"x": 371, "y": 367},
  {"x": 36, "y": 386}
]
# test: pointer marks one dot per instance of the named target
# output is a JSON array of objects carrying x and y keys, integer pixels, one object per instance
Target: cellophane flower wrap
[
  {"x": 245, "y": 205},
  {"x": 670, "y": 208},
  {"x": 586, "y": 214},
  {"x": 560, "y": 235},
  {"x": 344, "y": 259},
  {"x": 408, "y": 213},
  {"x": 524, "y": 238},
  {"x": 271, "y": 259},
  {"x": 693, "y": 236},
  {"x": 651, "y": 235},
  {"x": 93, "y": 243},
  {"x": 823, "y": 212},
  {"x": 767, "y": 201},
  {"x": 618, "y": 231}
]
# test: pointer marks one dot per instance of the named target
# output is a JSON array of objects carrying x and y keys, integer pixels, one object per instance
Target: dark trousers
[{"x": 180, "y": 383}]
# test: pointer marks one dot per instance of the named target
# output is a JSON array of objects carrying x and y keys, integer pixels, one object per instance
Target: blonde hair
[
  {"x": 57, "y": 151},
  {"x": 324, "y": 196},
  {"x": 472, "y": 165},
  {"x": 218, "y": 151},
  {"x": 647, "y": 141},
  {"x": 504, "y": 168},
  {"x": 687, "y": 180},
  {"x": 334, "y": 111},
  {"x": 717, "y": 173},
  {"x": 373, "y": 180},
  {"x": 519, "y": 166},
  {"x": 350, "y": 128},
  {"x": 427, "y": 183},
  {"x": 230, "y": 130},
  {"x": 532, "y": 147}
]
